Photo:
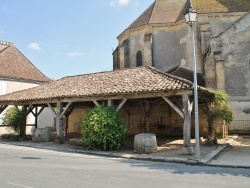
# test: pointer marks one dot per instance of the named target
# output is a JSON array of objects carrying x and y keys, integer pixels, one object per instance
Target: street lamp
[{"x": 190, "y": 17}]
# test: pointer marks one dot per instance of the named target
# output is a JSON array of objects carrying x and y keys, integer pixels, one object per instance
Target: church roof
[
  {"x": 133, "y": 81},
  {"x": 168, "y": 11},
  {"x": 15, "y": 66}
]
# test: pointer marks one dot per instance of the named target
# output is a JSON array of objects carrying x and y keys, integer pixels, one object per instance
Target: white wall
[{"x": 46, "y": 117}]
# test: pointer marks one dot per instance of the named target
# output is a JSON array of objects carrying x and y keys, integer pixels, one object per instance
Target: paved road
[{"x": 36, "y": 168}]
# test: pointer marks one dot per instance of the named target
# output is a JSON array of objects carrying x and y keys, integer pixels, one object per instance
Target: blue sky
[{"x": 67, "y": 37}]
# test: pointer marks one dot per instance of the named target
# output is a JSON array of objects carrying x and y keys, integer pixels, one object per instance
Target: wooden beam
[
  {"x": 36, "y": 117},
  {"x": 96, "y": 103},
  {"x": 187, "y": 121},
  {"x": 69, "y": 111},
  {"x": 100, "y": 98},
  {"x": 65, "y": 110},
  {"x": 121, "y": 104},
  {"x": 41, "y": 109},
  {"x": 2, "y": 108},
  {"x": 52, "y": 110},
  {"x": 174, "y": 107},
  {"x": 110, "y": 103},
  {"x": 34, "y": 114},
  {"x": 59, "y": 123}
]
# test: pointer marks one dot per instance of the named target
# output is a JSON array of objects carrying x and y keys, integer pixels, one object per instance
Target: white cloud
[
  {"x": 34, "y": 46},
  {"x": 75, "y": 53},
  {"x": 120, "y": 2}
]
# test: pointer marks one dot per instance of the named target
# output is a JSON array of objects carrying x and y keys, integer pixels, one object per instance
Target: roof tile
[
  {"x": 128, "y": 81},
  {"x": 14, "y": 65},
  {"x": 168, "y": 11}
]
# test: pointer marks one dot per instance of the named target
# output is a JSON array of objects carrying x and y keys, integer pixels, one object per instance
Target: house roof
[
  {"x": 169, "y": 11},
  {"x": 124, "y": 82},
  {"x": 15, "y": 66}
]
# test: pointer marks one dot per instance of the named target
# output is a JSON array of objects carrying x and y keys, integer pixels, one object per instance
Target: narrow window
[{"x": 139, "y": 59}]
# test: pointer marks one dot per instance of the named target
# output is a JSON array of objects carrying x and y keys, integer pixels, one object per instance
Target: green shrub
[
  {"x": 218, "y": 110},
  {"x": 16, "y": 119},
  {"x": 103, "y": 129}
]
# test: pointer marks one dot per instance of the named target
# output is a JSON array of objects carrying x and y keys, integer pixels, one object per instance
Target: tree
[
  {"x": 16, "y": 119},
  {"x": 219, "y": 109}
]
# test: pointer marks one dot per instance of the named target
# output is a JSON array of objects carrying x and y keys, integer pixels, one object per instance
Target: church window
[{"x": 139, "y": 58}]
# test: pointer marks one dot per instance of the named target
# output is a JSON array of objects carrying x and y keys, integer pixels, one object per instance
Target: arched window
[{"x": 139, "y": 58}]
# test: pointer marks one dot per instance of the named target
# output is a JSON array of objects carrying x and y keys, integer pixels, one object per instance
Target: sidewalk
[
  {"x": 238, "y": 155},
  {"x": 167, "y": 151}
]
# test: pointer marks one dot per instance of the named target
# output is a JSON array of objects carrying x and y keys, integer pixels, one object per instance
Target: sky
[{"x": 68, "y": 37}]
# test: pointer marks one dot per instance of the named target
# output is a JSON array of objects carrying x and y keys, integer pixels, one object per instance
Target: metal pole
[{"x": 196, "y": 115}]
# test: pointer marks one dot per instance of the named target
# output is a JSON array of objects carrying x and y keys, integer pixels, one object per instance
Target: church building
[{"x": 160, "y": 37}]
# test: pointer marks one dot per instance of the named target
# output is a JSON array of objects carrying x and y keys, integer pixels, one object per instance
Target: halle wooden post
[
  {"x": 187, "y": 121},
  {"x": 59, "y": 123}
]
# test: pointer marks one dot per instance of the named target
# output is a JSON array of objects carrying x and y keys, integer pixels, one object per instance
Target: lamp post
[{"x": 190, "y": 17}]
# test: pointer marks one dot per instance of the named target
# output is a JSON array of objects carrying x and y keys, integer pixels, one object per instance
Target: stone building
[{"x": 161, "y": 38}]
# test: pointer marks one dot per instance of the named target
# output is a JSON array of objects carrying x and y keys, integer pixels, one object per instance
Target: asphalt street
[{"x": 38, "y": 168}]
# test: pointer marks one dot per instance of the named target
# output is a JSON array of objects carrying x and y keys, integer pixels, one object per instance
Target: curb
[{"x": 214, "y": 154}]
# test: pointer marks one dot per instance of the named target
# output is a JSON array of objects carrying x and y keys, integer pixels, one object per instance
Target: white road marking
[{"x": 19, "y": 185}]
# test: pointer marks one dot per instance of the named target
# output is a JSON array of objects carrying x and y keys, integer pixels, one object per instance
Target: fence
[{"x": 239, "y": 127}]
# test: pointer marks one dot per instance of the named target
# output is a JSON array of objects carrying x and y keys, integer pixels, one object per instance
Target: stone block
[
  {"x": 145, "y": 143},
  {"x": 76, "y": 142},
  {"x": 41, "y": 135}
]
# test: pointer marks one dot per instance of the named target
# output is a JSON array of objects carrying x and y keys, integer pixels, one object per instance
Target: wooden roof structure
[
  {"x": 116, "y": 86},
  {"x": 139, "y": 82}
]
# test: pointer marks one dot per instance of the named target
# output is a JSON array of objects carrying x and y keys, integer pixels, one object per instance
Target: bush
[
  {"x": 16, "y": 119},
  {"x": 103, "y": 129}
]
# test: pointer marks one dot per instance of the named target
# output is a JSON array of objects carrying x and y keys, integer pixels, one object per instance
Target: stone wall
[
  {"x": 167, "y": 48},
  {"x": 75, "y": 119},
  {"x": 230, "y": 52},
  {"x": 164, "y": 121}
]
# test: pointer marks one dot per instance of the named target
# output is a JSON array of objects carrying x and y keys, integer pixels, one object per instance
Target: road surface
[{"x": 22, "y": 167}]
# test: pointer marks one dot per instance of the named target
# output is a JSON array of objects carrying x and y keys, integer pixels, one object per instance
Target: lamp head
[{"x": 190, "y": 15}]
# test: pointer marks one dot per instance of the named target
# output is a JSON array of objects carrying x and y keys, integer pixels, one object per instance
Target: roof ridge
[
  {"x": 170, "y": 75},
  {"x": 101, "y": 72},
  {"x": 149, "y": 21}
]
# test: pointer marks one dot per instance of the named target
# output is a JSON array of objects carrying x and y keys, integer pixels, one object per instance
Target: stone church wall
[{"x": 230, "y": 52}]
